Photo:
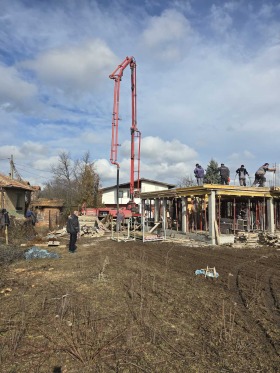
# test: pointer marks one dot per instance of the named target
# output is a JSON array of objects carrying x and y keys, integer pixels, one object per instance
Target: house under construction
[{"x": 214, "y": 213}]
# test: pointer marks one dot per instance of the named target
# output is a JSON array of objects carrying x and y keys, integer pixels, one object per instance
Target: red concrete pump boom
[{"x": 135, "y": 134}]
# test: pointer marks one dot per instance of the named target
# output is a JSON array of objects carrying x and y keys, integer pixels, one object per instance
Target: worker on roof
[
  {"x": 242, "y": 172},
  {"x": 224, "y": 174},
  {"x": 260, "y": 175},
  {"x": 199, "y": 174}
]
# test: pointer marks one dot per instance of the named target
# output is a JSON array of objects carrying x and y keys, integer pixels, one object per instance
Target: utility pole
[{"x": 12, "y": 166}]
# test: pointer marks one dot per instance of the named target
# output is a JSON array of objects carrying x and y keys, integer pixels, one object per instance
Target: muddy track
[{"x": 243, "y": 279}]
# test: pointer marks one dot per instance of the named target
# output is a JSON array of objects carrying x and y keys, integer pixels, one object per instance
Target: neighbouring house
[
  {"x": 36, "y": 192},
  {"x": 14, "y": 196},
  {"x": 49, "y": 212},
  {"x": 109, "y": 194}
]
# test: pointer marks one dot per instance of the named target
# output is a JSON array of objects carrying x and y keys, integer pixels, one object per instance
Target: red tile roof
[{"x": 7, "y": 182}]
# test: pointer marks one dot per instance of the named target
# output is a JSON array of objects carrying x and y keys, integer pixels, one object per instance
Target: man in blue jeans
[
  {"x": 199, "y": 174},
  {"x": 73, "y": 228}
]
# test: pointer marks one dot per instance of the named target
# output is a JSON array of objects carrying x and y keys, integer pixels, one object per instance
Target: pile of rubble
[
  {"x": 261, "y": 238},
  {"x": 268, "y": 239},
  {"x": 91, "y": 226}
]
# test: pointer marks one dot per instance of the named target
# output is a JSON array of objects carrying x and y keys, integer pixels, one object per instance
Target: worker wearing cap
[
  {"x": 242, "y": 172},
  {"x": 260, "y": 175}
]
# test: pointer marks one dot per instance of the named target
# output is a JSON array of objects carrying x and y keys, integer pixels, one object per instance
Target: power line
[
  {"x": 32, "y": 173},
  {"x": 36, "y": 169}
]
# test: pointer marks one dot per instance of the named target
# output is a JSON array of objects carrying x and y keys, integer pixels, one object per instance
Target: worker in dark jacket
[
  {"x": 73, "y": 228},
  {"x": 4, "y": 218},
  {"x": 199, "y": 174},
  {"x": 224, "y": 174},
  {"x": 242, "y": 172},
  {"x": 30, "y": 216},
  {"x": 260, "y": 175}
]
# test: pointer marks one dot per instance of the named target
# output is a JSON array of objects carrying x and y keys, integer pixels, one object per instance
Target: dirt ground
[{"x": 139, "y": 307}]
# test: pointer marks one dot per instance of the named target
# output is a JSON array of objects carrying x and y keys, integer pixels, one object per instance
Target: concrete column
[
  {"x": 212, "y": 216},
  {"x": 184, "y": 214},
  {"x": 164, "y": 222},
  {"x": 164, "y": 205},
  {"x": 143, "y": 201},
  {"x": 270, "y": 215},
  {"x": 157, "y": 212}
]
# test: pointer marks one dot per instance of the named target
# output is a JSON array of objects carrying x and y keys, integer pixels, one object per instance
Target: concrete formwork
[{"x": 218, "y": 212}]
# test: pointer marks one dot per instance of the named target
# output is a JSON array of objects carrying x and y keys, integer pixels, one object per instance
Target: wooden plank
[
  {"x": 53, "y": 243},
  {"x": 217, "y": 232},
  {"x": 154, "y": 227}
]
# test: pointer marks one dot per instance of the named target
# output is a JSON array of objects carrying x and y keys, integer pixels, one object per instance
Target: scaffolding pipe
[
  {"x": 219, "y": 210},
  {"x": 205, "y": 212},
  {"x": 249, "y": 215},
  {"x": 234, "y": 215},
  {"x": 264, "y": 215}
]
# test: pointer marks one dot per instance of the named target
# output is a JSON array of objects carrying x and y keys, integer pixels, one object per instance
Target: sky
[{"x": 208, "y": 85}]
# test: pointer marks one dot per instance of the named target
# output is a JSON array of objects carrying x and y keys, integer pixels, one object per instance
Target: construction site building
[{"x": 214, "y": 213}]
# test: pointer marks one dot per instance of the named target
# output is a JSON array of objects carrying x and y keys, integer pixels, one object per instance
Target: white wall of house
[
  {"x": 109, "y": 197},
  {"x": 150, "y": 187}
]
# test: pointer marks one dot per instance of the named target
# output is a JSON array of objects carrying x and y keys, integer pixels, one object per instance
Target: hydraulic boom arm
[{"x": 135, "y": 134}]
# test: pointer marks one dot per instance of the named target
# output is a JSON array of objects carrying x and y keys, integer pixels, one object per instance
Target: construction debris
[
  {"x": 35, "y": 253},
  {"x": 92, "y": 226},
  {"x": 208, "y": 272},
  {"x": 268, "y": 239},
  {"x": 53, "y": 243},
  {"x": 54, "y": 234},
  {"x": 261, "y": 238}
]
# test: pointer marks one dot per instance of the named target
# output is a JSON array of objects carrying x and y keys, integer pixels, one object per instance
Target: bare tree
[
  {"x": 76, "y": 182},
  {"x": 186, "y": 181}
]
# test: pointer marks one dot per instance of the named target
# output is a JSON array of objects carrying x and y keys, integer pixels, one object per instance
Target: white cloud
[
  {"x": 169, "y": 151},
  {"x": 220, "y": 20},
  {"x": 45, "y": 163},
  {"x": 15, "y": 92},
  {"x": 163, "y": 160},
  {"x": 74, "y": 69},
  {"x": 266, "y": 10},
  {"x": 165, "y": 35},
  {"x": 106, "y": 171},
  {"x": 7, "y": 150},
  {"x": 241, "y": 157}
]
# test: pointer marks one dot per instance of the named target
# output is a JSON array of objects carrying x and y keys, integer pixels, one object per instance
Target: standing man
[
  {"x": 120, "y": 219},
  {"x": 242, "y": 172},
  {"x": 260, "y": 175},
  {"x": 199, "y": 174},
  {"x": 30, "y": 216},
  {"x": 73, "y": 228},
  {"x": 224, "y": 174},
  {"x": 5, "y": 222}
]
